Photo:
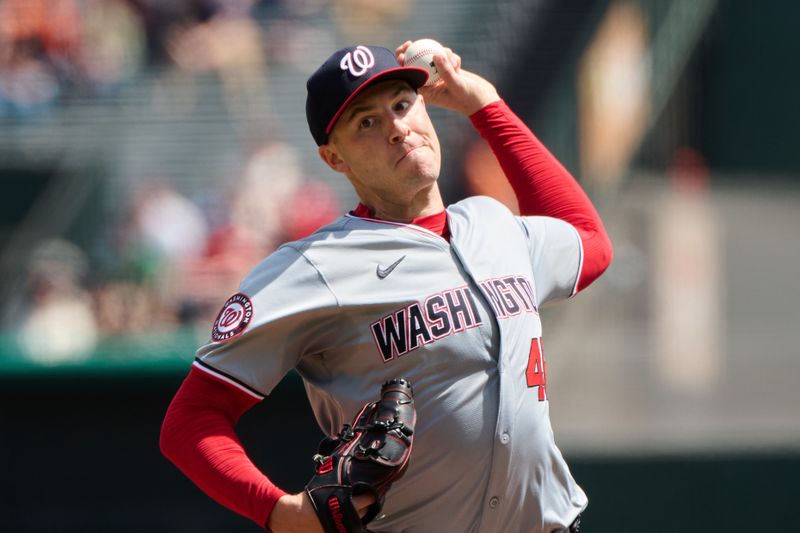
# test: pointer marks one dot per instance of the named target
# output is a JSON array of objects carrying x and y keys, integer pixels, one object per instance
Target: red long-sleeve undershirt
[
  {"x": 198, "y": 436},
  {"x": 543, "y": 186},
  {"x": 198, "y": 430}
]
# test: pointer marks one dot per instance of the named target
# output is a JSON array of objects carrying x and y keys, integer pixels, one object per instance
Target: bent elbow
[
  {"x": 167, "y": 438},
  {"x": 598, "y": 255},
  {"x": 606, "y": 253},
  {"x": 175, "y": 432}
]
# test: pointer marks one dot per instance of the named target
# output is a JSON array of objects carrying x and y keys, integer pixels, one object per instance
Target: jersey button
[
  {"x": 494, "y": 502},
  {"x": 504, "y": 438}
]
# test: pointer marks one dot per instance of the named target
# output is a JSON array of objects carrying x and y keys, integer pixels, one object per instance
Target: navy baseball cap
[{"x": 343, "y": 76}]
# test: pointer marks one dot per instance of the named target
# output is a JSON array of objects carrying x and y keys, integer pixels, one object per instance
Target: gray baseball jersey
[{"x": 362, "y": 301}]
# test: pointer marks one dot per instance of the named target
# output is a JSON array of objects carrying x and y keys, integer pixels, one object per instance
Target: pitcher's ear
[{"x": 329, "y": 154}]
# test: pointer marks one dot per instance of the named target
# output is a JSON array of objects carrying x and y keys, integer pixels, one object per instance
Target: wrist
[
  {"x": 481, "y": 102},
  {"x": 285, "y": 507},
  {"x": 486, "y": 110},
  {"x": 293, "y": 513}
]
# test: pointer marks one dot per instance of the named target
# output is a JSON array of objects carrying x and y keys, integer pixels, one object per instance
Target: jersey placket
[{"x": 492, "y": 503}]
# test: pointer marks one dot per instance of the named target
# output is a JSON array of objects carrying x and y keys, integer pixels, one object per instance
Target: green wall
[
  {"x": 80, "y": 455},
  {"x": 748, "y": 110}
]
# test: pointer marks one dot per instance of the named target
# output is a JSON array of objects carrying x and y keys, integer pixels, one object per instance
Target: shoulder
[
  {"x": 483, "y": 202},
  {"x": 487, "y": 214},
  {"x": 283, "y": 265},
  {"x": 480, "y": 207},
  {"x": 480, "y": 219},
  {"x": 290, "y": 263}
]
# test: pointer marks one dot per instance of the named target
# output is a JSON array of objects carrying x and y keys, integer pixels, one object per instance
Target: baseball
[{"x": 420, "y": 54}]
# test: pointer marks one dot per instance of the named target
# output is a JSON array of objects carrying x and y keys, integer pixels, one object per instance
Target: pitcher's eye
[{"x": 366, "y": 122}]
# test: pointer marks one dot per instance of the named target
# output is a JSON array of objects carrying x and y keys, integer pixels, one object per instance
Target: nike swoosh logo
[{"x": 383, "y": 272}]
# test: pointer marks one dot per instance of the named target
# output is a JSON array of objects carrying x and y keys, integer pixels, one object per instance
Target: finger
[
  {"x": 362, "y": 503},
  {"x": 402, "y": 48},
  {"x": 446, "y": 70},
  {"x": 363, "y": 500},
  {"x": 400, "y": 51},
  {"x": 454, "y": 58}
]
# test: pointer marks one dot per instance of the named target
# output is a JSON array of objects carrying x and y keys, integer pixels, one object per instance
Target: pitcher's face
[{"x": 385, "y": 142}]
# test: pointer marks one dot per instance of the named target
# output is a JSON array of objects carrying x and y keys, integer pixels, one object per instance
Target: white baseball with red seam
[{"x": 420, "y": 54}]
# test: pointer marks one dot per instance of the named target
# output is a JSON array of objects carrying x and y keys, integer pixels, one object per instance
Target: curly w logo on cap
[{"x": 358, "y": 61}]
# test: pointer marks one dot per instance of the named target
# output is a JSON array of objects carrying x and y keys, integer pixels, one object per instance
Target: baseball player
[{"x": 448, "y": 298}]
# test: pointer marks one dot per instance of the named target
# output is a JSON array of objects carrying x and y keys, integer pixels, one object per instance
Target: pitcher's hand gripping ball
[
  {"x": 420, "y": 54},
  {"x": 365, "y": 458}
]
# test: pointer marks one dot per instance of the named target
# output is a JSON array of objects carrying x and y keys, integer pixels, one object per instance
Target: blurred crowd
[
  {"x": 50, "y": 48},
  {"x": 53, "y": 50},
  {"x": 169, "y": 260}
]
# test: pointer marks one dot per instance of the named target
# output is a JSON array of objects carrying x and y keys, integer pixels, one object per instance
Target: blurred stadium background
[{"x": 151, "y": 152}]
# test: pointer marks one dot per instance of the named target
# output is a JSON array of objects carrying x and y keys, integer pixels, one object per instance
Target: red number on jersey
[{"x": 535, "y": 373}]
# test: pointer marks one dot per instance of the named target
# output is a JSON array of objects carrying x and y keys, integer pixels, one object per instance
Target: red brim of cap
[{"x": 415, "y": 76}]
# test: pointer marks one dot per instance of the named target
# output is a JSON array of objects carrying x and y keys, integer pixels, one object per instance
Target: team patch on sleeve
[{"x": 233, "y": 319}]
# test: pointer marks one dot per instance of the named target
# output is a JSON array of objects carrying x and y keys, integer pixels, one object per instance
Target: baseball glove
[{"x": 365, "y": 458}]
